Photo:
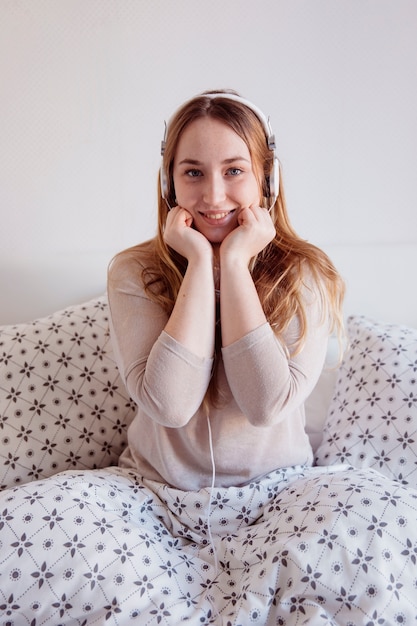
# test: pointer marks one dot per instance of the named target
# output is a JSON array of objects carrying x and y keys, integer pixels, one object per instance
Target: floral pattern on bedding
[
  {"x": 63, "y": 405},
  {"x": 372, "y": 417},
  {"x": 301, "y": 546}
]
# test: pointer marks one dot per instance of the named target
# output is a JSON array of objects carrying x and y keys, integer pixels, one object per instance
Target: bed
[{"x": 83, "y": 542}]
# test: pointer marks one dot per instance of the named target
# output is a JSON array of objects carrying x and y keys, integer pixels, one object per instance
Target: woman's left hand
[{"x": 255, "y": 230}]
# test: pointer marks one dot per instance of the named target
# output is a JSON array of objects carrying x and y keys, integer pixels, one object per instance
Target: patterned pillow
[
  {"x": 62, "y": 402},
  {"x": 372, "y": 418}
]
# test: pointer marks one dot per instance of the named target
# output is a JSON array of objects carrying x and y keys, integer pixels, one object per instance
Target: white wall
[{"x": 86, "y": 84}]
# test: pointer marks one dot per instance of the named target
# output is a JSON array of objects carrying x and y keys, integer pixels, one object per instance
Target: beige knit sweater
[{"x": 260, "y": 425}]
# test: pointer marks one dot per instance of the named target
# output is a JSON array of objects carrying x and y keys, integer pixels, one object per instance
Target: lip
[{"x": 217, "y": 218}]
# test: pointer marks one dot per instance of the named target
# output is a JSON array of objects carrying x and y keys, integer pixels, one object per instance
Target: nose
[{"x": 214, "y": 192}]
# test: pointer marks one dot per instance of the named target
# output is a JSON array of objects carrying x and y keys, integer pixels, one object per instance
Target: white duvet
[{"x": 301, "y": 546}]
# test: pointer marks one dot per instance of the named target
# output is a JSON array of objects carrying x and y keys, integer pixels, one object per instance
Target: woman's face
[{"x": 214, "y": 177}]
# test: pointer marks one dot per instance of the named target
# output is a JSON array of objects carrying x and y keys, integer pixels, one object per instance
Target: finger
[
  {"x": 258, "y": 210},
  {"x": 244, "y": 214}
]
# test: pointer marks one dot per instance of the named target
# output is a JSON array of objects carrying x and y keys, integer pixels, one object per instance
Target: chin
[
  {"x": 217, "y": 235},
  {"x": 216, "y": 239}
]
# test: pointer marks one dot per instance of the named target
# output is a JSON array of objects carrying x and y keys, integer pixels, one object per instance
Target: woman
[
  {"x": 234, "y": 308},
  {"x": 220, "y": 326}
]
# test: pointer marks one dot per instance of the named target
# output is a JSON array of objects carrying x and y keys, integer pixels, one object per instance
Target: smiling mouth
[{"x": 217, "y": 216}]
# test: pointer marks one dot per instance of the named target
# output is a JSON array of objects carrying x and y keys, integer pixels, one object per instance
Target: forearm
[
  {"x": 162, "y": 376},
  {"x": 267, "y": 380},
  {"x": 241, "y": 310},
  {"x": 171, "y": 385},
  {"x": 192, "y": 320}
]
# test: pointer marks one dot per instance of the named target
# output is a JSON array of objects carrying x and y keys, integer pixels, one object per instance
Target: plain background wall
[{"x": 85, "y": 88}]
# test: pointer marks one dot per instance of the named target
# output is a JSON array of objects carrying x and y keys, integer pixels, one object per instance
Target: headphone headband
[
  {"x": 272, "y": 179},
  {"x": 235, "y": 98}
]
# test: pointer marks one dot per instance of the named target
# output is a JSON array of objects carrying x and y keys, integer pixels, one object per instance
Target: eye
[
  {"x": 234, "y": 171},
  {"x": 193, "y": 173}
]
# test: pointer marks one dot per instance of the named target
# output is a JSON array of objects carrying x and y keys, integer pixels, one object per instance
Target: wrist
[
  {"x": 201, "y": 257},
  {"x": 233, "y": 261}
]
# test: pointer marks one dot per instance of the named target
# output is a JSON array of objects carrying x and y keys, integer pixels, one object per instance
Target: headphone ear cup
[
  {"x": 164, "y": 183},
  {"x": 274, "y": 181}
]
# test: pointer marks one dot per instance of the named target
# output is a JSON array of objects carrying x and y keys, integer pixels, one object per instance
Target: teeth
[{"x": 217, "y": 216}]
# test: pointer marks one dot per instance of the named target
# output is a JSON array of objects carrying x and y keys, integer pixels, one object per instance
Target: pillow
[
  {"x": 372, "y": 418},
  {"x": 62, "y": 402}
]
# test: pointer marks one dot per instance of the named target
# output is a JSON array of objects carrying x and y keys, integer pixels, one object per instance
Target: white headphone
[{"x": 273, "y": 178}]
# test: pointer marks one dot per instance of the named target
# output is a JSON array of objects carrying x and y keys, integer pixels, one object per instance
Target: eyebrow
[{"x": 225, "y": 162}]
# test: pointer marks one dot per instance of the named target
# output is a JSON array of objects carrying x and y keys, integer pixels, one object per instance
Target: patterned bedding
[
  {"x": 301, "y": 546},
  {"x": 82, "y": 543}
]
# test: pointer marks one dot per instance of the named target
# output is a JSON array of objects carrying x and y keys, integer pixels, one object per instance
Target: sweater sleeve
[
  {"x": 267, "y": 382},
  {"x": 166, "y": 380}
]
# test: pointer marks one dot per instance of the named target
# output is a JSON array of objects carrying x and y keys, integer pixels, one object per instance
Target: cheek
[
  {"x": 185, "y": 198},
  {"x": 182, "y": 191},
  {"x": 255, "y": 191}
]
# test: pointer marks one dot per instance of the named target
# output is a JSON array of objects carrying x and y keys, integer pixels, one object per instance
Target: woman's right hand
[
  {"x": 182, "y": 237},
  {"x": 192, "y": 320}
]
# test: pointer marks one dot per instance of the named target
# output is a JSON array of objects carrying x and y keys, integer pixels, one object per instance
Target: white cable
[{"x": 213, "y": 479}]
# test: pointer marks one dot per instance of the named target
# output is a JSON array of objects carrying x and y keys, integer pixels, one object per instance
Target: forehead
[{"x": 207, "y": 135}]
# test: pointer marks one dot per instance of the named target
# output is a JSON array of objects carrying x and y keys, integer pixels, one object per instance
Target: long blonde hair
[{"x": 280, "y": 269}]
